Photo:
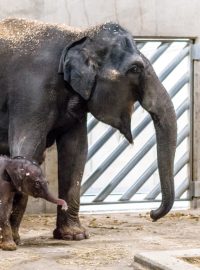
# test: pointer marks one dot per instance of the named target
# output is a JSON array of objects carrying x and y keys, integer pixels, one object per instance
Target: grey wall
[{"x": 144, "y": 18}]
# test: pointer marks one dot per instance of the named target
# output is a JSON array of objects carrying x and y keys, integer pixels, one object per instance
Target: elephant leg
[
  {"x": 72, "y": 155},
  {"x": 7, "y": 239},
  {"x": 27, "y": 138},
  {"x": 19, "y": 207}
]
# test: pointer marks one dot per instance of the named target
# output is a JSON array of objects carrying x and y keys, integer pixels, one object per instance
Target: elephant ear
[
  {"x": 78, "y": 67},
  {"x": 14, "y": 172}
]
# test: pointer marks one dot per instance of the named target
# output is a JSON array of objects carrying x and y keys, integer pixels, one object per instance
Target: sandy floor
[{"x": 114, "y": 239}]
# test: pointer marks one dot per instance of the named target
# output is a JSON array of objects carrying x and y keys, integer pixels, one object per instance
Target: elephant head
[
  {"x": 27, "y": 177},
  {"x": 106, "y": 69}
]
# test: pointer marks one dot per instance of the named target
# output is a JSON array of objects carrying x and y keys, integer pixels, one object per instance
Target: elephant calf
[{"x": 19, "y": 175}]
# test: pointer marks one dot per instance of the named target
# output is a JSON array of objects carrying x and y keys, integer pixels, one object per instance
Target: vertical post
[{"x": 195, "y": 122}]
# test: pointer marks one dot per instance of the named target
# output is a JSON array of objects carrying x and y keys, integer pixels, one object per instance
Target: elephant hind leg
[
  {"x": 7, "y": 240},
  {"x": 19, "y": 207}
]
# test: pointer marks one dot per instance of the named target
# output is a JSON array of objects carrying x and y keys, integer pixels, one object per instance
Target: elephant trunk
[
  {"x": 166, "y": 146},
  {"x": 50, "y": 198},
  {"x": 157, "y": 102}
]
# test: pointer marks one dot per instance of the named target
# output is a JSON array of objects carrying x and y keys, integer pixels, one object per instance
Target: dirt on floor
[
  {"x": 114, "y": 239},
  {"x": 192, "y": 260}
]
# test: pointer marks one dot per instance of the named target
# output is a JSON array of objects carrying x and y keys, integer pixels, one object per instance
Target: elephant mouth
[
  {"x": 127, "y": 133},
  {"x": 125, "y": 127}
]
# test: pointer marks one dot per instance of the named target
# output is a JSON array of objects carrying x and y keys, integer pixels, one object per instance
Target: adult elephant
[{"x": 50, "y": 78}]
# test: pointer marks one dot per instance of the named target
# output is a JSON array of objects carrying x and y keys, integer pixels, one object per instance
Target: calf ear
[
  {"x": 14, "y": 172},
  {"x": 78, "y": 68}
]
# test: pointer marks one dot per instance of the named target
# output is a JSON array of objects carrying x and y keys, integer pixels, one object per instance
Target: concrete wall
[
  {"x": 144, "y": 18},
  {"x": 141, "y": 17}
]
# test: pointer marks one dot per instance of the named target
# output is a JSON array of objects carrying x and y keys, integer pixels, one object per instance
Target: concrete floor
[{"x": 114, "y": 240}]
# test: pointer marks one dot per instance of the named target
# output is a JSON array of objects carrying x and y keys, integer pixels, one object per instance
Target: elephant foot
[
  {"x": 8, "y": 245},
  {"x": 71, "y": 233}
]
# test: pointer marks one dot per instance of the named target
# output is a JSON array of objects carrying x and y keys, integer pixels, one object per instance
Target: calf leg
[
  {"x": 19, "y": 207},
  {"x": 7, "y": 239},
  {"x": 5, "y": 211}
]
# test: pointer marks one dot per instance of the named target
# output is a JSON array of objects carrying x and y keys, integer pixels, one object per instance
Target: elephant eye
[
  {"x": 37, "y": 184},
  {"x": 135, "y": 69}
]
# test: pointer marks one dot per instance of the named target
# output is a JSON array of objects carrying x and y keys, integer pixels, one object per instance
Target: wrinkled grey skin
[
  {"x": 50, "y": 77},
  {"x": 19, "y": 175}
]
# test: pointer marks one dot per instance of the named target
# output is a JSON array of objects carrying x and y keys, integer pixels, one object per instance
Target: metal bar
[
  {"x": 163, "y": 40},
  {"x": 179, "y": 165},
  {"x": 179, "y": 84},
  {"x": 106, "y": 136},
  {"x": 181, "y": 189},
  {"x": 140, "y": 182},
  {"x": 140, "y": 45},
  {"x": 195, "y": 52},
  {"x": 128, "y": 202},
  {"x": 151, "y": 169},
  {"x": 160, "y": 50},
  {"x": 91, "y": 124},
  {"x": 174, "y": 63}
]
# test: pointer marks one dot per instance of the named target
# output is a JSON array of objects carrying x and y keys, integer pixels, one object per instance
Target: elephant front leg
[
  {"x": 27, "y": 138},
  {"x": 72, "y": 155},
  {"x": 7, "y": 239},
  {"x": 19, "y": 207},
  {"x": 68, "y": 226}
]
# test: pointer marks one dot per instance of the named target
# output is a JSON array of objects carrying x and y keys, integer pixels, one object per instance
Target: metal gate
[{"x": 117, "y": 173}]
